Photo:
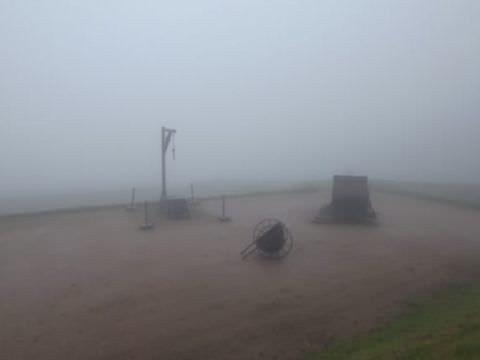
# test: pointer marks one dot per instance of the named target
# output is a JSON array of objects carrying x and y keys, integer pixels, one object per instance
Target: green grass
[{"x": 446, "y": 328}]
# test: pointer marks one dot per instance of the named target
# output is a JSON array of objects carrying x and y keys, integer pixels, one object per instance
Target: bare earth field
[{"x": 89, "y": 285}]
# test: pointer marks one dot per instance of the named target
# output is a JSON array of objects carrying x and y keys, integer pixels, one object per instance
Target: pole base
[{"x": 145, "y": 227}]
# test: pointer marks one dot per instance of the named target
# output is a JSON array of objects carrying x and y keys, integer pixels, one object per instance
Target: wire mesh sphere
[{"x": 272, "y": 238}]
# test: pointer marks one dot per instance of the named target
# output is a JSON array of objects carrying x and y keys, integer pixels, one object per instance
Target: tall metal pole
[
  {"x": 132, "y": 199},
  {"x": 131, "y": 207},
  {"x": 164, "y": 175},
  {"x": 166, "y": 137},
  {"x": 223, "y": 206}
]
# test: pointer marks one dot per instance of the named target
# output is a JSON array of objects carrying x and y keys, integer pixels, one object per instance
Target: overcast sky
[{"x": 257, "y": 90}]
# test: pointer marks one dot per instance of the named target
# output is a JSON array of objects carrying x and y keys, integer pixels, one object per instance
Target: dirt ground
[{"x": 89, "y": 285}]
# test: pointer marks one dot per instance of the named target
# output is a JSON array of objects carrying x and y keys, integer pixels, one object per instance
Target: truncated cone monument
[{"x": 350, "y": 200}]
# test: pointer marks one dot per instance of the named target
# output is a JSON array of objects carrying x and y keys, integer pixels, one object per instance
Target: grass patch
[{"x": 446, "y": 328}]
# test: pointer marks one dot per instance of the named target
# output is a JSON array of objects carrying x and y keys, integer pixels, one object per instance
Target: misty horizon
[{"x": 258, "y": 91}]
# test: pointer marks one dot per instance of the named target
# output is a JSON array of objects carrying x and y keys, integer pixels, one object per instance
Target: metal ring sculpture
[{"x": 271, "y": 238}]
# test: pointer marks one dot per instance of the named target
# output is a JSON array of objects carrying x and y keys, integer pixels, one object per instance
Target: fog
[{"x": 257, "y": 90}]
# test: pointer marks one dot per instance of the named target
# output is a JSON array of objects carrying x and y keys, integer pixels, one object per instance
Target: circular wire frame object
[{"x": 276, "y": 247}]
